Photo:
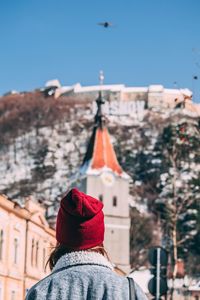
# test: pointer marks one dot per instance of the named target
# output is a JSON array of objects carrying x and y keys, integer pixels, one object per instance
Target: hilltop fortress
[{"x": 132, "y": 101}]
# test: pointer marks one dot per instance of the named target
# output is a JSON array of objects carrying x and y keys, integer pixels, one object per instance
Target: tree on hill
[
  {"x": 141, "y": 238},
  {"x": 179, "y": 188},
  {"x": 166, "y": 174},
  {"x": 22, "y": 113}
]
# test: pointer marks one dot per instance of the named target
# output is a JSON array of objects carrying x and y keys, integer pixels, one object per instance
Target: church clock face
[{"x": 108, "y": 178}]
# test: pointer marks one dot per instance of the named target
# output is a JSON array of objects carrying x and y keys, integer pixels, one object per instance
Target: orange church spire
[
  {"x": 103, "y": 152},
  {"x": 100, "y": 152}
]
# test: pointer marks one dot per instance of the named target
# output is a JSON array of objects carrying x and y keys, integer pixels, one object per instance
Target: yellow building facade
[{"x": 25, "y": 243}]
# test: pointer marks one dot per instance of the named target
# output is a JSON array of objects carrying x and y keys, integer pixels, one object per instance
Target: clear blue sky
[{"x": 151, "y": 42}]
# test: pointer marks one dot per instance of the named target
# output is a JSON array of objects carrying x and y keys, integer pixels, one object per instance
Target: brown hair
[{"x": 60, "y": 250}]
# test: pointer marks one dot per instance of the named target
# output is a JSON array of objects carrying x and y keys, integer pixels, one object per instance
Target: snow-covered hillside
[{"x": 44, "y": 140}]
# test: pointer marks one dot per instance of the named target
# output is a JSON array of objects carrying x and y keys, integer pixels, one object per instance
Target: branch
[{"x": 182, "y": 241}]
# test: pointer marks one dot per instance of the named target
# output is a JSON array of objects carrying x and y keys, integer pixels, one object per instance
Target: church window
[
  {"x": 101, "y": 198},
  {"x": 114, "y": 201},
  {"x": 1, "y": 244}
]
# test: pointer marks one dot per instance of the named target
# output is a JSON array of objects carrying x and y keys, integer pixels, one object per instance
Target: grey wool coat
[{"x": 83, "y": 275}]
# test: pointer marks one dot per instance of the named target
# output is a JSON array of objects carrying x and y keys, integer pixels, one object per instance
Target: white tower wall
[{"x": 115, "y": 197}]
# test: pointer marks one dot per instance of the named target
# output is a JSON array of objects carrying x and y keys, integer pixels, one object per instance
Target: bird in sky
[{"x": 105, "y": 24}]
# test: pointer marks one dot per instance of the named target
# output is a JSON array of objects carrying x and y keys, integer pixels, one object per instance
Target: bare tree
[{"x": 177, "y": 203}]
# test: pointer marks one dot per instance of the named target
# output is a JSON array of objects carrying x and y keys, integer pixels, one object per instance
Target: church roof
[
  {"x": 100, "y": 152},
  {"x": 100, "y": 155}
]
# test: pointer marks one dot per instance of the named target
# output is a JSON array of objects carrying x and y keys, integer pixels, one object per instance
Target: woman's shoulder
[
  {"x": 101, "y": 278},
  {"x": 35, "y": 291}
]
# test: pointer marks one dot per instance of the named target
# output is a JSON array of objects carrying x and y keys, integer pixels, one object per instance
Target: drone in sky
[{"x": 105, "y": 24}]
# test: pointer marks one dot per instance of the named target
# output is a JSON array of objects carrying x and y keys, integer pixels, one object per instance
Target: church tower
[{"x": 102, "y": 177}]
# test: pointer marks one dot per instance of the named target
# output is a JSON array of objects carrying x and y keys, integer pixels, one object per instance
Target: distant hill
[{"x": 43, "y": 141}]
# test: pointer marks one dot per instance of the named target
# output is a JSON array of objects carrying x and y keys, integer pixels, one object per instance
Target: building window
[
  {"x": 44, "y": 258},
  {"x": 114, "y": 201},
  {"x": 13, "y": 294},
  {"x": 1, "y": 292},
  {"x": 37, "y": 251},
  {"x": 101, "y": 198},
  {"x": 16, "y": 245},
  {"x": 1, "y": 244},
  {"x": 32, "y": 251}
]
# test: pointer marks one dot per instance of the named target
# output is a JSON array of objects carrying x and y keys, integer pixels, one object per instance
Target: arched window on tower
[
  {"x": 114, "y": 201},
  {"x": 1, "y": 244},
  {"x": 101, "y": 198}
]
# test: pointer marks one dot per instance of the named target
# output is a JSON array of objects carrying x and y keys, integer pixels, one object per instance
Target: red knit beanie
[{"x": 80, "y": 221}]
